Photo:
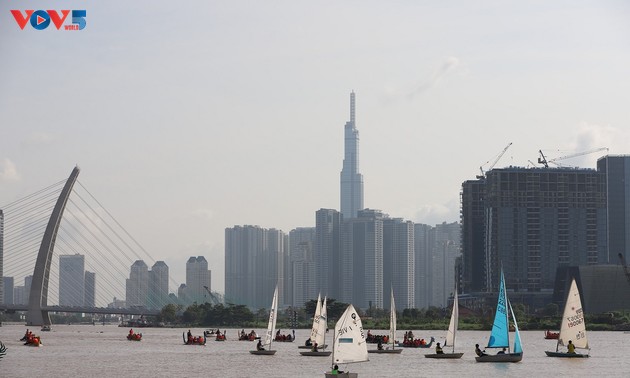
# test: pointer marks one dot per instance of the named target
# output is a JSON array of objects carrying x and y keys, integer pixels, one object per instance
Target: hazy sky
[{"x": 189, "y": 117}]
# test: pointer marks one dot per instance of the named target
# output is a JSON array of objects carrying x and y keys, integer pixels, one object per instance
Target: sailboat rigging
[
  {"x": 318, "y": 332},
  {"x": 573, "y": 328},
  {"x": 349, "y": 345},
  {"x": 451, "y": 333},
  {"x": 391, "y": 339},
  {"x": 265, "y": 349},
  {"x": 500, "y": 335}
]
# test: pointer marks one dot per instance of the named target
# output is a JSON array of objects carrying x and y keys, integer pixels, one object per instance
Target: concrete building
[
  {"x": 423, "y": 265},
  {"x": 398, "y": 263},
  {"x": 300, "y": 272},
  {"x": 197, "y": 276},
  {"x": 534, "y": 220},
  {"x": 89, "y": 292},
  {"x": 8, "y": 290},
  {"x": 71, "y": 280},
  {"x": 362, "y": 259},
  {"x": 328, "y": 252},
  {"x": 254, "y": 265},
  {"x": 603, "y": 288},
  {"x": 617, "y": 171},
  {"x": 158, "y": 285},
  {"x": 137, "y": 288},
  {"x": 351, "y": 179}
]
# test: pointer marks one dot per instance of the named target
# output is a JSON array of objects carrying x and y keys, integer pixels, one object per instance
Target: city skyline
[{"x": 188, "y": 129}]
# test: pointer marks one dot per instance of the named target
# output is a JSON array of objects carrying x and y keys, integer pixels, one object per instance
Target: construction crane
[
  {"x": 482, "y": 175},
  {"x": 544, "y": 161},
  {"x": 213, "y": 297},
  {"x": 626, "y": 269}
]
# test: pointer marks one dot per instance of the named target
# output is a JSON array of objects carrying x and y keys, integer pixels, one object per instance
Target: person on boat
[
  {"x": 25, "y": 335},
  {"x": 570, "y": 347},
  {"x": 308, "y": 342},
  {"x": 189, "y": 336},
  {"x": 501, "y": 351},
  {"x": 379, "y": 346},
  {"x": 438, "y": 349},
  {"x": 314, "y": 349},
  {"x": 479, "y": 352},
  {"x": 335, "y": 370},
  {"x": 259, "y": 345}
]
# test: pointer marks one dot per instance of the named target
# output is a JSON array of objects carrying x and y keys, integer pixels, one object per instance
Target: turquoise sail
[
  {"x": 499, "y": 338},
  {"x": 517, "y": 338}
]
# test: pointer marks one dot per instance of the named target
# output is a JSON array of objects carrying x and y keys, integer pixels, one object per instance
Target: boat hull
[
  {"x": 316, "y": 354},
  {"x": 445, "y": 355},
  {"x": 342, "y": 375},
  {"x": 566, "y": 355},
  {"x": 385, "y": 351},
  {"x": 263, "y": 352},
  {"x": 311, "y": 347},
  {"x": 508, "y": 357}
]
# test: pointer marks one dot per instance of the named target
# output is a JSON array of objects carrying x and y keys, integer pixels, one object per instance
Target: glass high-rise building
[
  {"x": 351, "y": 179},
  {"x": 71, "y": 280},
  {"x": 617, "y": 170}
]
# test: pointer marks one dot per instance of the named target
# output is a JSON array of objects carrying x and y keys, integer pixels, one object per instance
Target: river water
[{"x": 103, "y": 351}]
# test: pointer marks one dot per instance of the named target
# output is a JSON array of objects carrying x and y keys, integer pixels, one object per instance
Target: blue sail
[
  {"x": 499, "y": 338},
  {"x": 517, "y": 338}
]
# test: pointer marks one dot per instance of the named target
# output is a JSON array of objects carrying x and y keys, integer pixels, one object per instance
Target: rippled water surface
[{"x": 103, "y": 351}]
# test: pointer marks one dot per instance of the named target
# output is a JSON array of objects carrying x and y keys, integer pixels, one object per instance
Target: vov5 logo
[{"x": 41, "y": 19}]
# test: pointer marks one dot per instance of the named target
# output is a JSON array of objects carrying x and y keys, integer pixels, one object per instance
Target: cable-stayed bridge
[{"x": 62, "y": 221}]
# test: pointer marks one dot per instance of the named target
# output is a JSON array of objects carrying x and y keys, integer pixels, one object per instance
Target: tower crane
[
  {"x": 626, "y": 269},
  {"x": 213, "y": 297},
  {"x": 482, "y": 175},
  {"x": 544, "y": 161}
]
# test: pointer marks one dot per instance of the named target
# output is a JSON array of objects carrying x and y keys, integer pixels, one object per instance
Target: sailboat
[
  {"x": 318, "y": 332},
  {"x": 450, "y": 334},
  {"x": 500, "y": 335},
  {"x": 392, "y": 330},
  {"x": 271, "y": 328},
  {"x": 573, "y": 328},
  {"x": 349, "y": 345}
]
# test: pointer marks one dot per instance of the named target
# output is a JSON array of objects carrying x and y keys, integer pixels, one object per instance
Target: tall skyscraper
[
  {"x": 362, "y": 259},
  {"x": 617, "y": 170},
  {"x": 472, "y": 219},
  {"x": 300, "y": 259},
  {"x": 197, "y": 276},
  {"x": 535, "y": 220},
  {"x": 137, "y": 287},
  {"x": 71, "y": 280},
  {"x": 254, "y": 264},
  {"x": 351, "y": 179},
  {"x": 89, "y": 292},
  {"x": 8, "y": 290},
  {"x": 158, "y": 285},
  {"x": 327, "y": 255},
  {"x": 398, "y": 262}
]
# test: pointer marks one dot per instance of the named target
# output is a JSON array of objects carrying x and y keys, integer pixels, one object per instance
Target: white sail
[
  {"x": 273, "y": 316},
  {"x": 316, "y": 316},
  {"x": 322, "y": 324},
  {"x": 349, "y": 345},
  {"x": 392, "y": 320},
  {"x": 573, "y": 327},
  {"x": 452, "y": 327}
]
